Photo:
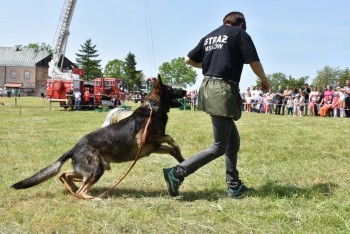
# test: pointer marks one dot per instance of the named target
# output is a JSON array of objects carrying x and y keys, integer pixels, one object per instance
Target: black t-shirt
[
  {"x": 280, "y": 96},
  {"x": 224, "y": 51},
  {"x": 307, "y": 92},
  {"x": 320, "y": 98}
]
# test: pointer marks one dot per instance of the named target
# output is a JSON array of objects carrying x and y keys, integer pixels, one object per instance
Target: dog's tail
[
  {"x": 43, "y": 174},
  {"x": 109, "y": 116}
]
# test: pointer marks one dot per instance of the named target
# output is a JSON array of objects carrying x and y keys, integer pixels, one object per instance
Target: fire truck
[
  {"x": 107, "y": 92},
  {"x": 61, "y": 85}
]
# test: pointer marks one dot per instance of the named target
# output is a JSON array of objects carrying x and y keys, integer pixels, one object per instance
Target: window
[
  {"x": 26, "y": 75},
  {"x": 13, "y": 75}
]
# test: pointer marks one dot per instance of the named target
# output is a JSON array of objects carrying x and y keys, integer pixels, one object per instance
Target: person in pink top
[
  {"x": 335, "y": 105},
  {"x": 328, "y": 94},
  {"x": 313, "y": 100}
]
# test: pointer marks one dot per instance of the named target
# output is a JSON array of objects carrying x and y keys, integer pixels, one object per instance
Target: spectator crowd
[{"x": 300, "y": 101}]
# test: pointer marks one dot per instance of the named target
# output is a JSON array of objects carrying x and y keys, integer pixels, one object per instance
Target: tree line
[
  {"x": 326, "y": 76},
  {"x": 177, "y": 72}
]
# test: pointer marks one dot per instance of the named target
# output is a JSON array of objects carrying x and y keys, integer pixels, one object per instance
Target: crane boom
[{"x": 61, "y": 42}]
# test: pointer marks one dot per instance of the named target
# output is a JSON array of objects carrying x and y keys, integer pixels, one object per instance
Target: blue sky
[{"x": 295, "y": 37}]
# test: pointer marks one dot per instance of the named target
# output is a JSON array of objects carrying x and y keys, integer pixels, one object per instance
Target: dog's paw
[{"x": 180, "y": 159}]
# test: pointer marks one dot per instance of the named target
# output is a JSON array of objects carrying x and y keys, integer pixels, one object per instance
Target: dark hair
[{"x": 235, "y": 18}]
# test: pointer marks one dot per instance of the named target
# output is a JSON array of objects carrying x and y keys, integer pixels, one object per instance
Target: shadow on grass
[
  {"x": 210, "y": 195},
  {"x": 279, "y": 190},
  {"x": 273, "y": 189}
]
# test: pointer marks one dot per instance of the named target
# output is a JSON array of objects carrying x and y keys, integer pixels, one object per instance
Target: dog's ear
[
  {"x": 156, "y": 83},
  {"x": 156, "y": 87},
  {"x": 160, "y": 79}
]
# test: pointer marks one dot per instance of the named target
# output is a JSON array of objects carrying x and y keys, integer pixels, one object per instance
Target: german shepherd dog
[{"x": 116, "y": 143}]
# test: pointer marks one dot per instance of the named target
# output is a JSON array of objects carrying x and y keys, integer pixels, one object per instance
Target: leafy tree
[
  {"x": 345, "y": 75},
  {"x": 331, "y": 76},
  {"x": 178, "y": 72},
  {"x": 132, "y": 77},
  {"x": 276, "y": 79},
  {"x": 42, "y": 45},
  {"x": 86, "y": 60},
  {"x": 139, "y": 78},
  {"x": 115, "y": 68},
  {"x": 296, "y": 83},
  {"x": 281, "y": 79},
  {"x": 327, "y": 76}
]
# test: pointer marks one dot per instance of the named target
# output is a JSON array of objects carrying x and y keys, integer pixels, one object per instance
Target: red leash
[{"x": 143, "y": 141}]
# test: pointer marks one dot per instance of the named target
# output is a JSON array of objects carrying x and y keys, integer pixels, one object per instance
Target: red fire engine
[
  {"x": 102, "y": 91},
  {"x": 109, "y": 91},
  {"x": 62, "y": 85}
]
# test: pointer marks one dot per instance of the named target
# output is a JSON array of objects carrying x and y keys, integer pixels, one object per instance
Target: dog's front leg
[
  {"x": 165, "y": 149},
  {"x": 174, "y": 150}
]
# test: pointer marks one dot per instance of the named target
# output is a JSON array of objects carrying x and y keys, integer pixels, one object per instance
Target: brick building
[{"x": 26, "y": 68}]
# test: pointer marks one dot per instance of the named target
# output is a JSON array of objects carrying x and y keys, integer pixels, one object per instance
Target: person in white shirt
[
  {"x": 290, "y": 106},
  {"x": 77, "y": 99}
]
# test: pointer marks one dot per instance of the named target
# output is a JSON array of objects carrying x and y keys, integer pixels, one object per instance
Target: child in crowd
[
  {"x": 312, "y": 105},
  {"x": 290, "y": 106},
  {"x": 335, "y": 105},
  {"x": 248, "y": 100},
  {"x": 341, "y": 102},
  {"x": 269, "y": 103},
  {"x": 301, "y": 104},
  {"x": 296, "y": 109}
]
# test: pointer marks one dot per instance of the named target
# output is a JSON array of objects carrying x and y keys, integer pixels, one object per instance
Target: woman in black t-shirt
[{"x": 221, "y": 55}]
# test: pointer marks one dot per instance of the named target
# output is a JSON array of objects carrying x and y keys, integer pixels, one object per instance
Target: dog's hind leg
[
  {"x": 70, "y": 178},
  {"x": 87, "y": 184},
  {"x": 91, "y": 174},
  {"x": 89, "y": 164}
]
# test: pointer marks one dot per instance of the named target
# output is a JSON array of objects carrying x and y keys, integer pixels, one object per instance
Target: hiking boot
[
  {"x": 172, "y": 181},
  {"x": 238, "y": 191}
]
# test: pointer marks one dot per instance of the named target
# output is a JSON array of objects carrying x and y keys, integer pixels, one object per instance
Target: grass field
[{"x": 298, "y": 166}]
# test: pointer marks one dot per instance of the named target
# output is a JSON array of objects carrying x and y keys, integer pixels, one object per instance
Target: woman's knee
[{"x": 218, "y": 149}]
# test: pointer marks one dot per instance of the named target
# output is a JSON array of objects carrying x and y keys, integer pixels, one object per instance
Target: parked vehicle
[{"x": 107, "y": 92}]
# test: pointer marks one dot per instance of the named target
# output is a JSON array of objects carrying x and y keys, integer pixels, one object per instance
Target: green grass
[{"x": 298, "y": 166}]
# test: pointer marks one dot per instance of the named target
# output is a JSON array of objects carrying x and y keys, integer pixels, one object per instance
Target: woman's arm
[
  {"x": 193, "y": 63},
  {"x": 258, "y": 69}
]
